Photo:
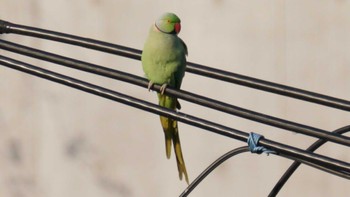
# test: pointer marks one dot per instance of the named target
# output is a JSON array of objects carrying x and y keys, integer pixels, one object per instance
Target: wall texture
[{"x": 56, "y": 141}]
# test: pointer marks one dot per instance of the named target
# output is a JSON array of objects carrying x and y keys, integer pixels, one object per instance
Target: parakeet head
[{"x": 169, "y": 23}]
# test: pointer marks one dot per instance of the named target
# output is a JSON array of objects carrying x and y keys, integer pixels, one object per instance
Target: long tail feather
[
  {"x": 178, "y": 152},
  {"x": 171, "y": 134}
]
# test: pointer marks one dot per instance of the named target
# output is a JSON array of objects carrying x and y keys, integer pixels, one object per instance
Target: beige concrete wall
[{"x": 56, "y": 141}]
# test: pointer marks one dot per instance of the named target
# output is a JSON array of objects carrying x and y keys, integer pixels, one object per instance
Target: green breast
[{"x": 164, "y": 58}]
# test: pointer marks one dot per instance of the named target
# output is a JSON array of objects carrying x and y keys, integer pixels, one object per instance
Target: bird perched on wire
[{"x": 164, "y": 62}]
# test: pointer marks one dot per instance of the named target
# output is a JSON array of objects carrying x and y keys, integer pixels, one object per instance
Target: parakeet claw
[
  {"x": 162, "y": 88},
  {"x": 150, "y": 84}
]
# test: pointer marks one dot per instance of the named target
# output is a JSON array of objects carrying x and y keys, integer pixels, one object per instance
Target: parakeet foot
[
  {"x": 150, "y": 84},
  {"x": 162, "y": 88}
]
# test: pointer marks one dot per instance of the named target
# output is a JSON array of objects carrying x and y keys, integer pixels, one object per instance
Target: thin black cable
[
  {"x": 279, "y": 148},
  {"x": 7, "y": 27},
  {"x": 235, "y": 152},
  {"x": 191, "y": 97},
  {"x": 340, "y": 173},
  {"x": 212, "y": 167},
  {"x": 296, "y": 164}
]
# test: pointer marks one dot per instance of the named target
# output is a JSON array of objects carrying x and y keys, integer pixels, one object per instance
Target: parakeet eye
[{"x": 168, "y": 21}]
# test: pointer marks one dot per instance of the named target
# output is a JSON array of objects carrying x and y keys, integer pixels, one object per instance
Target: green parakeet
[{"x": 164, "y": 62}]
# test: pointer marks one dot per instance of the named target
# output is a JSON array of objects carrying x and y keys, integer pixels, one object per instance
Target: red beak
[{"x": 177, "y": 27}]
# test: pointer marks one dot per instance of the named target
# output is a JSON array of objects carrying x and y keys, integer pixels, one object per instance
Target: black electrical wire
[
  {"x": 296, "y": 164},
  {"x": 7, "y": 27},
  {"x": 340, "y": 173},
  {"x": 283, "y": 179},
  {"x": 244, "y": 149},
  {"x": 201, "y": 100},
  {"x": 281, "y": 149},
  {"x": 212, "y": 167}
]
